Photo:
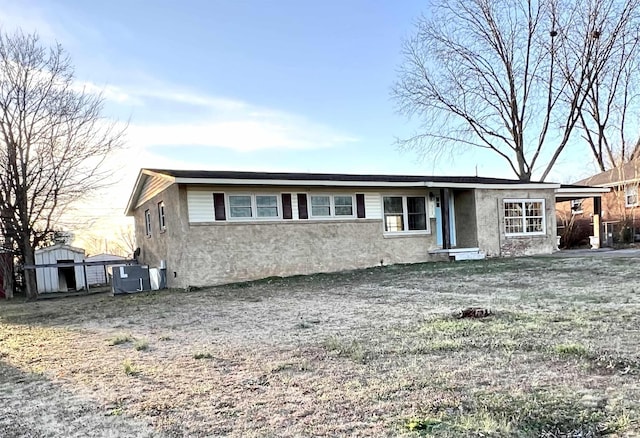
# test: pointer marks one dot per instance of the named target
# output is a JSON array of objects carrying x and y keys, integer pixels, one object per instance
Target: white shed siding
[
  {"x": 48, "y": 279},
  {"x": 151, "y": 187},
  {"x": 200, "y": 205},
  {"x": 98, "y": 274},
  {"x": 373, "y": 205}
]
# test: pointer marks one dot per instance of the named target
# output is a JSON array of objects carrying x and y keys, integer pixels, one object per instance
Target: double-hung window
[
  {"x": 631, "y": 196},
  {"x": 524, "y": 217},
  {"x": 405, "y": 214},
  {"x": 326, "y": 206},
  {"x": 147, "y": 223},
  {"x": 253, "y": 206}
]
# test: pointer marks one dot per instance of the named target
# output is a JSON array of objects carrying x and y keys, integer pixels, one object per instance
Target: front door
[{"x": 452, "y": 222}]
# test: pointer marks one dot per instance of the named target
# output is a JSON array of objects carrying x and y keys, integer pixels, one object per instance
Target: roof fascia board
[
  {"x": 579, "y": 194},
  {"x": 291, "y": 182},
  {"x": 320, "y": 183},
  {"x": 531, "y": 186}
]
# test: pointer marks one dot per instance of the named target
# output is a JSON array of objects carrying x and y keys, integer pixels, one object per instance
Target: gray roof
[
  {"x": 217, "y": 174},
  {"x": 628, "y": 172}
]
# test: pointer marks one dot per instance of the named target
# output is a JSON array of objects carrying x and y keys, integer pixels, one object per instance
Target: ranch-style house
[{"x": 215, "y": 227}]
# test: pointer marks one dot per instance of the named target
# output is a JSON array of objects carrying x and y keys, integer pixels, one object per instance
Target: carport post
[
  {"x": 597, "y": 225},
  {"x": 446, "y": 227}
]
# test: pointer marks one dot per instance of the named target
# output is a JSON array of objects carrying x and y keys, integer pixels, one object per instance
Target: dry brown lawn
[{"x": 365, "y": 353}]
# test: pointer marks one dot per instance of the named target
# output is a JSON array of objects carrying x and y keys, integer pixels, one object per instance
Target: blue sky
[{"x": 248, "y": 85}]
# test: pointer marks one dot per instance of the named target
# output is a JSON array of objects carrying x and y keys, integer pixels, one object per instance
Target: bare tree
[
  {"x": 53, "y": 142},
  {"x": 509, "y": 76},
  {"x": 608, "y": 120}
]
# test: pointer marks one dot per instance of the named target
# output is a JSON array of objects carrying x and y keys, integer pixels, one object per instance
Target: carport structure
[{"x": 582, "y": 198}]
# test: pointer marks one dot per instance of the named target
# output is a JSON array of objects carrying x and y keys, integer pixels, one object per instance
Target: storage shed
[
  {"x": 99, "y": 274},
  {"x": 59, "y": 279}
]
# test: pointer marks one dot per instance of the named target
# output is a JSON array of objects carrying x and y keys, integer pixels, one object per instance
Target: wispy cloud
[{"x": 166, "y": 116}]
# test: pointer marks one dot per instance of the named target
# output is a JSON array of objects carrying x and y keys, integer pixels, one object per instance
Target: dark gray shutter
[
  {"x": 360, "y": 205},
  {"x": 303, "y": 213},
  {"x": 218, "y": 207},
  {"x": 286, "y": 206}
]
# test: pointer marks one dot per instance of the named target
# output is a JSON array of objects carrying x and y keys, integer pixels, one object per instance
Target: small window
[
  {"x": 161, "y": 219},
  {"x": 147, "y": 223},
  {"x": 266, "y": 206},
  {"x": 321, "y": 206},
  {"x": 405, "y": 213},
  {"x": 631, "y": 196},
  {"x": 327, "y": 206},
  {"x": 253, "y": 206},
  {"x": 240, "y": 206},
  {"x": 343, "y": 205},
  {"x": 576, "y": 206},
  {"x": 393, "y": 214},
  {"x": 523, "y": 217}
]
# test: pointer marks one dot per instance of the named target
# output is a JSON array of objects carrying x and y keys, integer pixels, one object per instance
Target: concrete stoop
[{"x": 460, "y": 253}]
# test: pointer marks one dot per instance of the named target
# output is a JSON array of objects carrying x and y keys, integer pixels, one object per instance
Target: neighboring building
[
  {"x": 59, "y": 279},
  {"x": 211, "y": 227},
  {"x": 620, "y": 206},
  {"x": 100, "y": 274}
]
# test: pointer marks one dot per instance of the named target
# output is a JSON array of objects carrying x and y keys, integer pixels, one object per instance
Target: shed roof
[{"x": 58, "y": 246}]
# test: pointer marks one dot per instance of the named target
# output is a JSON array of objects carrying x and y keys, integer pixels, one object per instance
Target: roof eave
[
  {"x": 338, "y": 183},
  {"x": 137, "y": 188}
]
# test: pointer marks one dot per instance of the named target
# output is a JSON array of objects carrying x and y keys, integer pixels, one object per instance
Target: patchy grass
[
  {"x": 141, "y": 345},
  {"x": 202, "y": 355},
  {"x": 539, "y": 414},
  {"x": 129, "y": 368},
  {"x": 374, "y": 353},
  {"x": 119, "y": 339}
]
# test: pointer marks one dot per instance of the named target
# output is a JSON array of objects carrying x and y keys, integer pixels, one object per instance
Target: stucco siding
[
  {"x": 492, "y": 238},
  {"x": 154, "y": 248},
  {"x": 227, "y": 252}
]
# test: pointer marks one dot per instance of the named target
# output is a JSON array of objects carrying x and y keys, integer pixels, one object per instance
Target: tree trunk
[
  {"x": 6, "y": 271},
  {"x": 30, "y": 286}
]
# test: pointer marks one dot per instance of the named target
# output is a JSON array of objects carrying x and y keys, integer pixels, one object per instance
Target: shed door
[
  {"x": 66, "y": 277},
  {"x": 452, "y": 222}
]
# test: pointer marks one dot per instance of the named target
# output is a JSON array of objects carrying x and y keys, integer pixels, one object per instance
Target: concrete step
[{"x": 468, "y": 256}]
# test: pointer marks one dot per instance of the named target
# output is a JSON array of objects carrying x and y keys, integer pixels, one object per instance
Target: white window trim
[
  {"x": 579, "y": 210},
  {"x": 147, "y": 222},
  {"x": 524, "y": 217},
  {"x": 332, "y": 206},
  {"x": 162, "y": 218},
  {"x": 631, "y": 190},
  {"x": 405, "y": 215},
  {"x": 254, "y": 207}
]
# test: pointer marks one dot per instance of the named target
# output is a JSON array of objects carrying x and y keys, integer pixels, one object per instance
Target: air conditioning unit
[{"x": 128, "y": 279}]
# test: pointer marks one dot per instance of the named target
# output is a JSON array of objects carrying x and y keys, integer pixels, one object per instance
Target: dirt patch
[{"x": 368, "y": 353}]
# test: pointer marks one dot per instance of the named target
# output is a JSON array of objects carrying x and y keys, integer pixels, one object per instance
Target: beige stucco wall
[
  {"x": 221, "y": 253},
  {"x": 202, "y": 254},
  {"x": 154, "y": 248},
  {"x": 490, "y": 219}
]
